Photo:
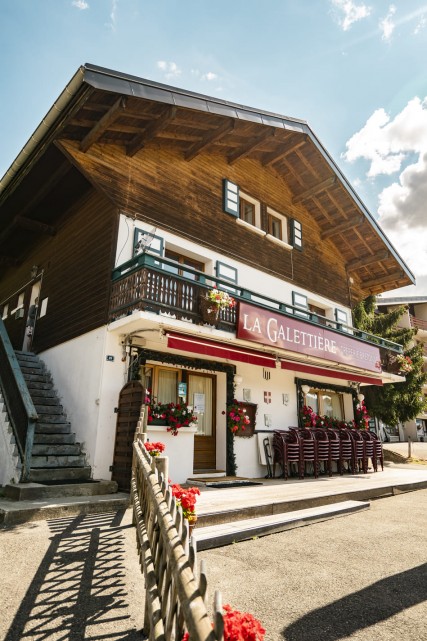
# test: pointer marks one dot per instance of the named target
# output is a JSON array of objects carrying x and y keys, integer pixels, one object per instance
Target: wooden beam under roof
[
  {"x": 210, "y": 138},
  {"x": 285, "y": 150},
  {"x": 8, "y": 261},
  {"x": 342, "y": 227},
  {"x": 102, "y": 125},
  {"x": 381, "y": 281},
  {"x": 359, "y": 263},
  {"x": 314, "y": 190},
  {"x": 34, "y": 225},
  {"x": 166, "y": 114},
  {"x": 245, "y": 150}
]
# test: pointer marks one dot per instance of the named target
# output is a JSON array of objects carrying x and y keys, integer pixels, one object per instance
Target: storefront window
[{"x": 325, "y": 403}]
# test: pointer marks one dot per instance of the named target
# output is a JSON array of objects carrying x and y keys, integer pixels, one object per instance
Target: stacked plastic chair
[
  {"x": 286, "y": 452},
  {"x": 369, "y": 448},
  {"x": 336, "y": 449},
  {"x": 308, "y": 444},
  {"x": 360, "y": 460},
  {"x": 323, "y": 449},
  {"x": 346, "y": 449}
]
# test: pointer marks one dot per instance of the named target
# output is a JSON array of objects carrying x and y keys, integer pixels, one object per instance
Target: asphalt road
[{"x": 359, "y": 577}]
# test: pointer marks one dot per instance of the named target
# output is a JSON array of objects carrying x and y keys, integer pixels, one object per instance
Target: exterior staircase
[{"x": 56, "y": 457}]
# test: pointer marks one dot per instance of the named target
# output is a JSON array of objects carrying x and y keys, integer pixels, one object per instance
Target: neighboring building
[
  {"x": 414, "y": 317},
  {"x": 130, "y": 201}
]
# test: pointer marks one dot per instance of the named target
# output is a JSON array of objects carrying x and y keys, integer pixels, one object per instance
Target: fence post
[{"x": 409, "y": 447}]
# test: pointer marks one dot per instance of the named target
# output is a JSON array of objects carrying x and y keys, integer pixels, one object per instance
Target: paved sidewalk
[{"x": 71, "y": 579}]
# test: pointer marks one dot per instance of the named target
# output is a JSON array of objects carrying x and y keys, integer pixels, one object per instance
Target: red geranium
[
  {"x": 186, "y": 498},
  {"x": 239, "y": 626},
  {"x": 154, "y": 449}
]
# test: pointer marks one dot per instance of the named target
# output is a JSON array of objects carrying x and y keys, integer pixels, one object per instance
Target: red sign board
[{"x": 269, "y": 328}]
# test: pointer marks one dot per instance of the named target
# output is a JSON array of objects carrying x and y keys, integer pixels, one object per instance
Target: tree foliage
[{"x": 395, "y": 402}]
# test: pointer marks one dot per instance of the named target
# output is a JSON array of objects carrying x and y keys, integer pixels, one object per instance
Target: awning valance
[
  {"x": 206, "y": 347},
  {"x": 330, "y": 373}
]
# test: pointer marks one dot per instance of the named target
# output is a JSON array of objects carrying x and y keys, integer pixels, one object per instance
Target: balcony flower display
[
  {"x": 236, "y": 417},
  {"x": 212, "y": 302},
  {"x": 174, "y": 415},
  {"x": 154, "y": 449},
  {"x": 404, "y": 363}
]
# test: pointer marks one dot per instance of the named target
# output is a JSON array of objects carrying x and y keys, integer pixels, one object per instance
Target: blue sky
[{"x": 355, "y": 70}]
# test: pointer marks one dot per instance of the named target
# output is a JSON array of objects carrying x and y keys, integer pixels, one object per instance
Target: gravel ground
[
  {"x": 73, "y": 578},
  {"x": 358, "y": 577}
]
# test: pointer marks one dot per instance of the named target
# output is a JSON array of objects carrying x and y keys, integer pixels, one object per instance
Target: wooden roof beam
[
  {"x": 359, "y": 263},
  {"x": 165, "y": 116},
  {"x": 102, "y": 125},
  {"x": 342, "y": 227},
  {"x": 210, "y": 138},
  {"x": 271, "y": 158},
  {"x": 387, "y": 279},
  {"x": 314, "y": 190},
  {"x": 34, "y": 225},
  {"x": 244, "y": 151}
]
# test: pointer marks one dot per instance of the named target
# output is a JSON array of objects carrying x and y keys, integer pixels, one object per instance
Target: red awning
[
  {"x": 206, "y": 347},
  {"x": 330, "y": 373}
]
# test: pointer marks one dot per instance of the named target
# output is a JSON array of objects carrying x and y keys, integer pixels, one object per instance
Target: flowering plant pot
[
  {"x": 173, "y": 415},
  {"x": 237, "y": 419},
  {"x": 212, "y": 302},
  {"x": 154, "y": 449},
  {"x": 186, "y": 498}
]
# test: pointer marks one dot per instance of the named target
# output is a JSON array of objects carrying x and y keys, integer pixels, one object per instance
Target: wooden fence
[{"x": 175, "y": 597}]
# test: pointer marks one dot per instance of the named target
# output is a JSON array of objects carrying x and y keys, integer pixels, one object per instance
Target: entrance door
[
  {"x": 129, "y": 409},
  {"x": 201, "y": 394}
]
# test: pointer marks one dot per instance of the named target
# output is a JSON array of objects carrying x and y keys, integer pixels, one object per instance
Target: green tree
[{"x": 395, "y": 402}]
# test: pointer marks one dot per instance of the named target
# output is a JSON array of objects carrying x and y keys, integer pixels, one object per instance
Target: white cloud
[
  {"x": 351, "y": 12},
  {"x": 387, "y": 25},
  {"x": 399, "y": 146},
  {"x": 170, "y": 69},
  {"x": 80, "y": 4},
  {"x": 113, "y": 15},
  {"x": 420, "y": 25},
  {"x": 209, "y": 76}
]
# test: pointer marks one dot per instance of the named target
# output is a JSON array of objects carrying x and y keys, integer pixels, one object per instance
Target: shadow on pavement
[
  {"x": 362, "y": 609},
  {"x": 78, "y": 591}
]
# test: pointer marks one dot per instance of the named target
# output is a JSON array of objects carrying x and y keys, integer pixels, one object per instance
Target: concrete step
[
  {"x": 56, "y": 418},
  {"x": 51, "y": 410},
  {"x": 202, "y": 475},
  {"x": 37, "y": 378},
  {"x": 56, "y": 449},
  {"x": 45, "y": 397},
  {"x": 21, "y": 355},
  {"x": 32, "y": 368},
  {"x": 37, "y": 385},
  {"x": 52, "y": 428},
  {"x": 37, "y": 491},
  {"x": 54, "y": 439},
  {"x": 214, "y": 536},
  {"x": 46, "y": 475},
  {"x": 58, "y": 461},
  {"x": 13, "y": 512}
]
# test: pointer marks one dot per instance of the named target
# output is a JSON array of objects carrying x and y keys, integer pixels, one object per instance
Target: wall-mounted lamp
[
  {"x": 34, "y": 271},
  {"x": 360, "y": 397},
  {"x": 238, "y": 380},
  {"x": 305, "y": 389}
]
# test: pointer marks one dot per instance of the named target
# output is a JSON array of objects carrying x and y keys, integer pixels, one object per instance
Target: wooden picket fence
[{"x": 175, "y": 597}]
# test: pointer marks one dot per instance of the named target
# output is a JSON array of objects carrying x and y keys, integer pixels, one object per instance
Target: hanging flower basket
[{"x": 209, "y": 311}]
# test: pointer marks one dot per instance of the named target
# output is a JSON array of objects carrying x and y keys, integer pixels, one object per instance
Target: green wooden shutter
[
  {"x": 296, "y": 234},
  {"x": 230, "y": 198}
]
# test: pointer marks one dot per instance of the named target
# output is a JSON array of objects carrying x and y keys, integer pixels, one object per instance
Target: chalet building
[
  {"x": 129, "y": 204},
  {"x": 414, "y": 318}
]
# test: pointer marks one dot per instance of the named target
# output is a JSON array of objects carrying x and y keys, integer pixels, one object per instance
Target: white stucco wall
[
  {"x": 88, "y": 386},
  {"x": 10, "y": 466}
]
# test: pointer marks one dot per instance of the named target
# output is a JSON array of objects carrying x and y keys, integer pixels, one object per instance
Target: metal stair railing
[{"x": 20, "y": 408}]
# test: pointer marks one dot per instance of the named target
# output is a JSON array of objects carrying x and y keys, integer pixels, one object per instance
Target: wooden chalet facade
[{"x": 132, "y": 200}]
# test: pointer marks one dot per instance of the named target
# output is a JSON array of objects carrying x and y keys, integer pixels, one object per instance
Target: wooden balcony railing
[
  {"x": 150, "y": 283},
  {"x": 418, "y": 323}
]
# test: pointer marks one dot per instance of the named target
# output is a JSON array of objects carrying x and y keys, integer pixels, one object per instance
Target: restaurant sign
[{"x": 269, "y": 328}]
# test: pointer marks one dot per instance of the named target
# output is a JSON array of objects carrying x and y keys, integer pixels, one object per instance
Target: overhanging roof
[{"x": 102, "y": 106}]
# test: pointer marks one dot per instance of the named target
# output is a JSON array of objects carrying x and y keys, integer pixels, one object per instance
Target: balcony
[
  {"x": 151, "y": 283},
  {"x": 418, "y": 323}
]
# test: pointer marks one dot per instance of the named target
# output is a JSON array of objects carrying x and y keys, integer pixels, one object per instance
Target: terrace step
[
  {"x": 37, "y": 491},
  {"x": 214, "y": 536}
]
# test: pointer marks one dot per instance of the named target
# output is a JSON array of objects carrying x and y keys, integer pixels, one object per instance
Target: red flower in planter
[{"x": 239, "y": 626}]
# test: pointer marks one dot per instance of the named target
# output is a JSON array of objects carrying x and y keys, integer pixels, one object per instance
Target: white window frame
[{"x": 243, "y": 195}]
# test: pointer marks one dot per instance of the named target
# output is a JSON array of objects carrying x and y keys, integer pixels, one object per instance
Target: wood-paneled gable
[
  {"x": 188, "y": 200},
  {"x": 76, "y": 264}
]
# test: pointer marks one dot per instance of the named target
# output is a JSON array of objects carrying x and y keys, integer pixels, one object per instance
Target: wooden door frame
[
  {"x": 213, "y": 378},
  {"x": 145, "y": 355}
]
